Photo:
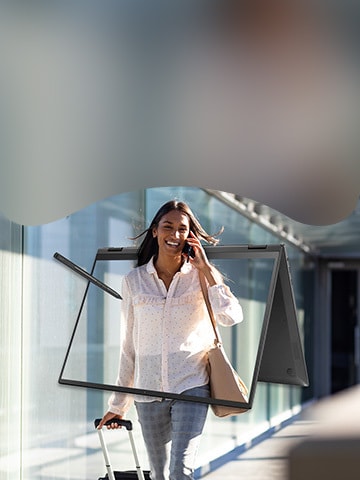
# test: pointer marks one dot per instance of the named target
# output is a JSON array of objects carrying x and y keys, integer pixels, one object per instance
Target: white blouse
[{"x": 167, "y": 332}]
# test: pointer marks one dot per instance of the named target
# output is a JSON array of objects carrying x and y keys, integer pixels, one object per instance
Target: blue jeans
[{"x": 171, "y": 430}]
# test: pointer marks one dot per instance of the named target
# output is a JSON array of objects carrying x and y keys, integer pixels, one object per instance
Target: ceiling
[{"x": 340, "y": 240}]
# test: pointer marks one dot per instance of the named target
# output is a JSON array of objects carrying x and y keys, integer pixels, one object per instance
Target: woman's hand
[
  {"x": 201, "y": 262},
  {"x": 107, "y": 417},
  {"x": 199, "y": 259}
]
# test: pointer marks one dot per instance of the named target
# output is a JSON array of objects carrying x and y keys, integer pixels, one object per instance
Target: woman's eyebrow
[{"x": 171, "y": 223}]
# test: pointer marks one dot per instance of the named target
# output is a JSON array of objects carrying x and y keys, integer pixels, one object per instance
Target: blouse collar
[{"x": 186, "y": 267}]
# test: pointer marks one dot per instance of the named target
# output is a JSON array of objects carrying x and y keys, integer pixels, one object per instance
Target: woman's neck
[{"x": 168, "y": 266}]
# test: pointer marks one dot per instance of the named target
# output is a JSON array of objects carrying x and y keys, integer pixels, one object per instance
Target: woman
[{"x": 168, "y": 334}]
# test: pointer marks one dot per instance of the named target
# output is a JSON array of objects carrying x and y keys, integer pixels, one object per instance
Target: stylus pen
[{"x": 86, "y": 275}]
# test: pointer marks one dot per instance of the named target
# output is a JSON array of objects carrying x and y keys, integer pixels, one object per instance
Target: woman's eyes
[{"x": 181, "y": 230}]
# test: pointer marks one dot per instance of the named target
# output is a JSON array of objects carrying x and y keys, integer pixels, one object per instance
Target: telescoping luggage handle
[{"x": 128, "y": 425}]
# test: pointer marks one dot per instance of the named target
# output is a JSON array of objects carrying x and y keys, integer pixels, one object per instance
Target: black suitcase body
[
  {"x": 137, "y": 474},
  {"x": 128, "y": 475}
]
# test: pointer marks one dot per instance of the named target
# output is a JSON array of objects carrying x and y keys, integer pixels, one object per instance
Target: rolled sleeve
[{"x": 225, "y": 305}]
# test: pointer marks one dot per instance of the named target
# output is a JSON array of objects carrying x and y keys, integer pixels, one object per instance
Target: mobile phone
[{"x": 188, "y": 250}]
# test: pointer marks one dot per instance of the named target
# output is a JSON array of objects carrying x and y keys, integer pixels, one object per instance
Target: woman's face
[{"x": 172, "y": 232}]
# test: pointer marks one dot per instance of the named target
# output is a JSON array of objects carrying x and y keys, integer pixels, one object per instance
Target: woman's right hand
[{"x": 107, "y": 417}]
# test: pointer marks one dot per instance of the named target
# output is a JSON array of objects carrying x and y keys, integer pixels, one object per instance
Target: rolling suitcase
[{"x": 137, "y": 474}]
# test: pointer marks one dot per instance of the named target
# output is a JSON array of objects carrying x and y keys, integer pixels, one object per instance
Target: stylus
[{"x": 86, "y": 275}]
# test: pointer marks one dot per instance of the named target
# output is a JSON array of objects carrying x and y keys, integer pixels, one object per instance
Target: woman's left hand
[{"x": 200, "y": 260}]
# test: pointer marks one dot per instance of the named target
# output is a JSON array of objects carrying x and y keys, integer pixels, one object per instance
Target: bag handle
[{"x": 208, "y": 305}]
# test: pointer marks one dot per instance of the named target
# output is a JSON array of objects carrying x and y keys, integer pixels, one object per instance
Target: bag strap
[{"x": 208, "y": 305}]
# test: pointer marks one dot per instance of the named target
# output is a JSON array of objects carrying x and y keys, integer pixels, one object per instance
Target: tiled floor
[{"x": 268, "y": 459}]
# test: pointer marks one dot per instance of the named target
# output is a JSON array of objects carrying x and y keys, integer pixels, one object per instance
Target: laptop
[{"x": 265, "y": 347}]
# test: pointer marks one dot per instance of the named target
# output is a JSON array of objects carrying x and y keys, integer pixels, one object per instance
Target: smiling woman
[
  {"x": 167, "y": 337},
  {"x": 171, "y": 235},
  {"x": 150, "y": 246}
]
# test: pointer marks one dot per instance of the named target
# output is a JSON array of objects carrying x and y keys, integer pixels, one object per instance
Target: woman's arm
[
  {"x": 225, "y": 305},
  {"x": 201, "y": 262}
]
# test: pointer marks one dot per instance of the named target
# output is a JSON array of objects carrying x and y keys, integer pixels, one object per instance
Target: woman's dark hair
[{"x": 149, "y": 245}]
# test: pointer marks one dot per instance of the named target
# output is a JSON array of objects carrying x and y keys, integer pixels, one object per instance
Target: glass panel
[
  {"x": 10, "y": 349},
  {"x": 94, "y": 354},
  {"x": 55, "y": 415}
]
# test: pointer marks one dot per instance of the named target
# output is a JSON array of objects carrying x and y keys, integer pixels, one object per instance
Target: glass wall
[
  {"x": 11, "y": 339},
  {"x": 51, "y": 432}
]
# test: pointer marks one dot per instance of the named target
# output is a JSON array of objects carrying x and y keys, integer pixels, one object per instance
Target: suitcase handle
[{"x": 122, "y": 423}]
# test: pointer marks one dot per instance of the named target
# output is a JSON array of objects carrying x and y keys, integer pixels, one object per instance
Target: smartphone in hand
[{"x": 188, "y": 250}]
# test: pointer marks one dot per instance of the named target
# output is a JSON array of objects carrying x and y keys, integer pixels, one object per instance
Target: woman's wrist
[{"x": 211, "y": 275}]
